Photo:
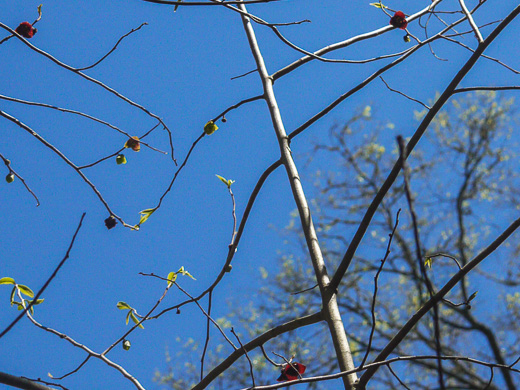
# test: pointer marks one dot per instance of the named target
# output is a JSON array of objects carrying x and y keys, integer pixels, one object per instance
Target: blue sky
[{"x": 178, "y": 66}]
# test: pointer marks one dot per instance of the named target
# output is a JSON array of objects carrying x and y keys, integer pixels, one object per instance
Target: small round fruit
[
  {"x": 9, "y": 178},
  {"x": 120, "y": 159}
]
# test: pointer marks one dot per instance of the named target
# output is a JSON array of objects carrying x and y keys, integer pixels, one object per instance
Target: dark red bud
[
  {"x": 291, "y": 372},
  {"x": 399, "y": 20},
  {"x": 26, "y": 30},
  {"x": 110, "y": 222}
]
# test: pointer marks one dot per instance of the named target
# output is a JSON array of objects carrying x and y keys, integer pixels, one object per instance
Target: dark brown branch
[
  {"x": 114, "y": 48},
  {"x": 21, "y": 383}
]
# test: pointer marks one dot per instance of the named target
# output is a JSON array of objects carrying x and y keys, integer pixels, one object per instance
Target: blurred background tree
[{"x": 465, "y": 181}]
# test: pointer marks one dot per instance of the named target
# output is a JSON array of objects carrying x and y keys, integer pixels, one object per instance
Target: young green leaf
[
  {"x": 123, "y": 306},
  {"x": 172, "y": 276},
  {"x": 26, "y": 290},
  {"x": 378, "y": 5},
  {"x": 472, "y": 296},
  {"x": 145, "y": 214},
  {"x": 428, "y": 262},
  {"x": 186, "y": 273},
  {"x": 134, "y": 318},
  {"x": 128, "y": 316},
  {"x": 7, "y": 280},
  {"x": 12, "y": 295},
  {"x": 225, "y": 181}
]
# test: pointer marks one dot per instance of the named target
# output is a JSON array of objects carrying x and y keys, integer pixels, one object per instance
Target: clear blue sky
[{"x": 179, "y": 67}]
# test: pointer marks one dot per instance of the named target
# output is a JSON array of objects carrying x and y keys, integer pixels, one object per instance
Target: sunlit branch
[
  {"x": 289, "y": 68},
  {"x": 367, "y": 81},
  {"x": 471, "y": 21}
]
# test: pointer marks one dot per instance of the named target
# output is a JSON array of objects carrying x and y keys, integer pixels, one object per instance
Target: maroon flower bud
[
  {"x": 399, "y": 20},
  {"x": 290, "y": 372},
  {"x": 26, "y": 30},
  {"x": 133, "y": 143},
  {"x": 110, "y": 222}
]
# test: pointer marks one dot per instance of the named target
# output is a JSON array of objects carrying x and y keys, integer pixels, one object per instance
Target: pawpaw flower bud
[
  {"x": 120, "y": 159},
  {"x": 210, "y": 127},
  {"x": 26, "y": 30},
  {"x": 406, "y": 38},
  {"x": 229, "y": 267},
  {"x": 9, "y": 178},
  {"x": 110, "y": 222},
  {"x": 399, "y": 20},
  {"x": 133, "y": 143},
  {"x": 126, "y": 345},
  {"x": 290, "y": 372}
]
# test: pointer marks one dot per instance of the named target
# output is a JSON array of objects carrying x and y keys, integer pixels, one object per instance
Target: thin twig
[
  {"x": 374, "y": 296},
  {"x": 207, "y": 337},
  {"x": 403, "y": 94},
  {"x": 114, "y": 48},
  {"x": 93, "y": 118},
  {"x": 243, "y": 75},
  {"x": 11, "y": 170},
  {"x": 406, "y": 175},
  {"x": 235, "y": 106},
  {"x": 95, "y": 81},
  {"x": 46, "y": 284},
  {"x": 247, "y": 357},
  {"x": 67, "y": 161},
  {"x": 396, "y": 377}
]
